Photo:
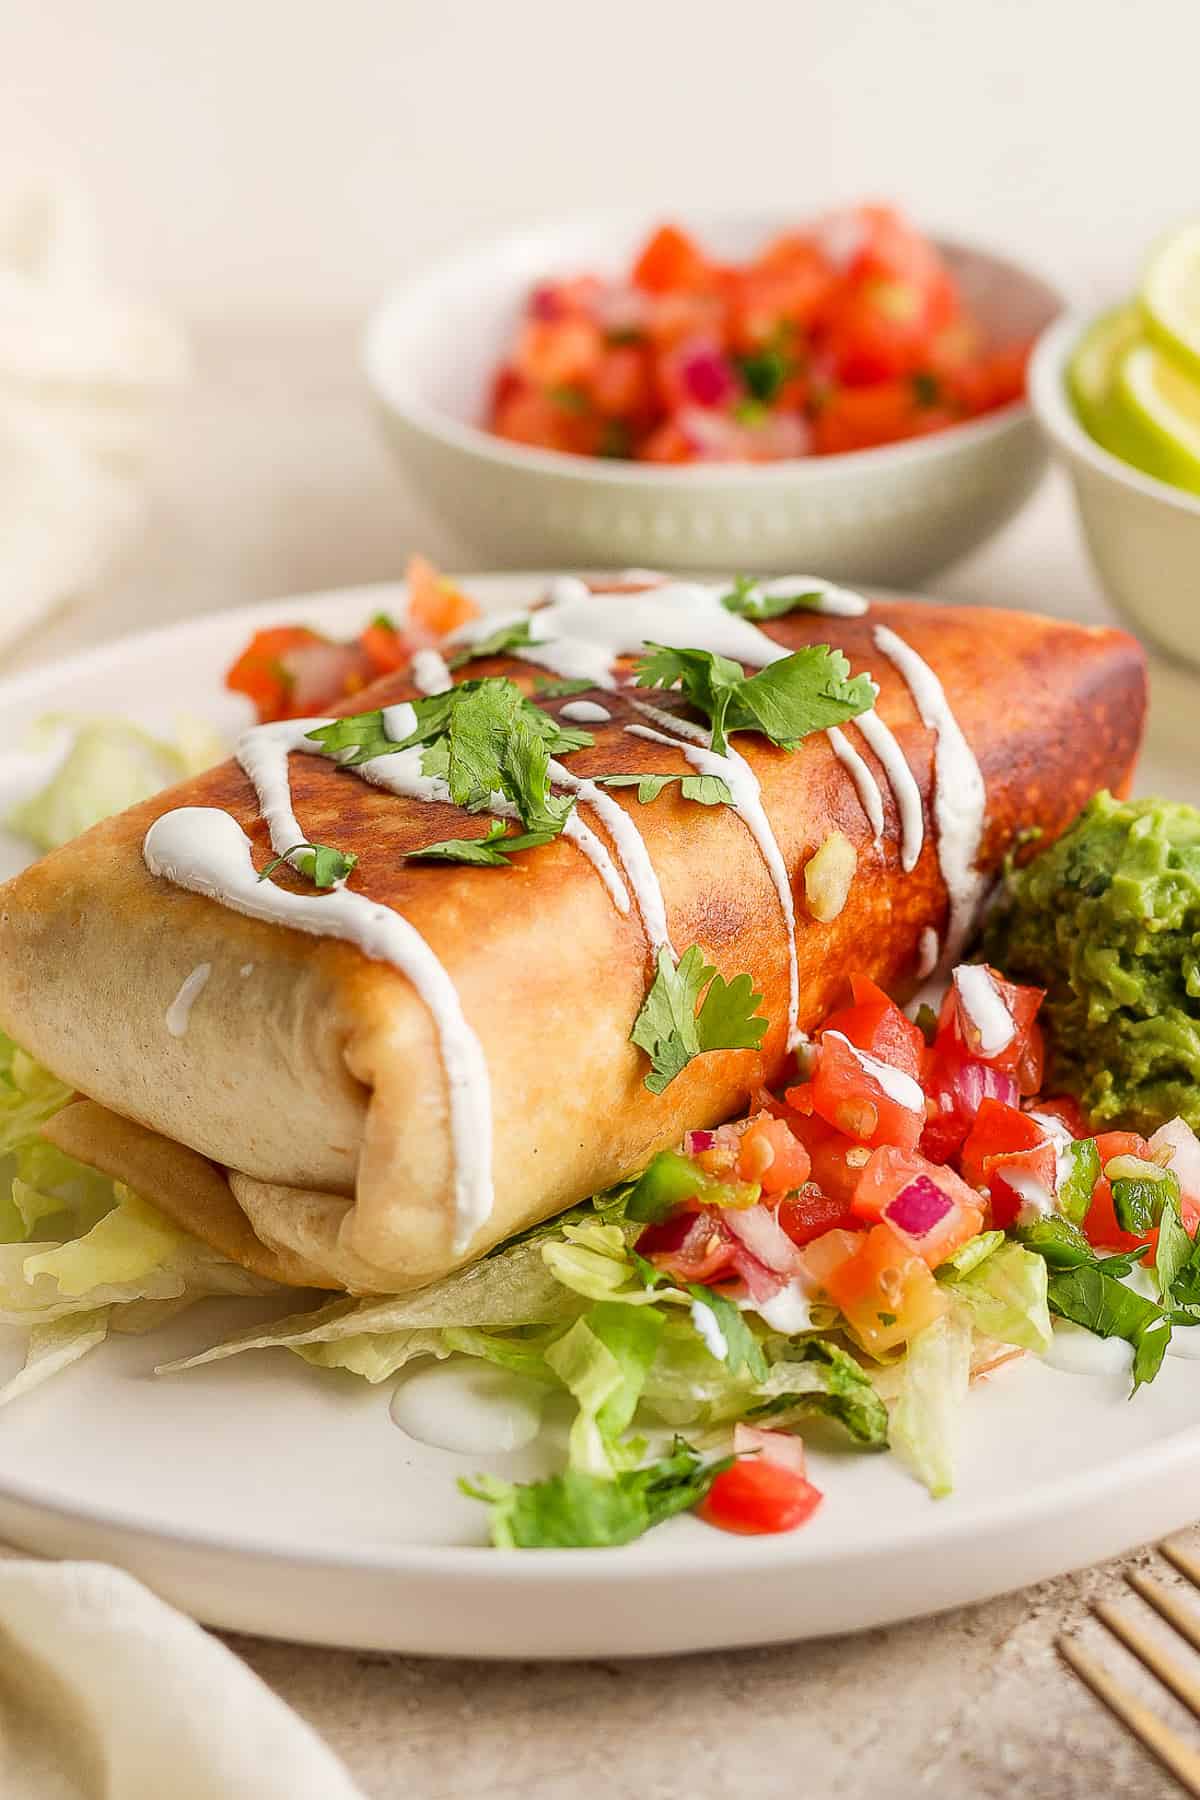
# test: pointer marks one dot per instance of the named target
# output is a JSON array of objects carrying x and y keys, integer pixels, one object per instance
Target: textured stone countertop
[{"x": 271, "y": 480}]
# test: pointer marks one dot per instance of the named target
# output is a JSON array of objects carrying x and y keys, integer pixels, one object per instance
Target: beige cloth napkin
[
  {"x": 83, "y": 371},
  {"x": 107, "y": 1693}
]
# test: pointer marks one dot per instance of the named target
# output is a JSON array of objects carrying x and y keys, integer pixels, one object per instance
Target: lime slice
[
  {"x": 1092, "y": 370},
  {"x": 1171, "y": 297},
  {"x": 1156, "y": 417}
]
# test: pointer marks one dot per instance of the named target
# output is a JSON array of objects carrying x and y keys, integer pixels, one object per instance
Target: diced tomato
[
  {"x": 847, "y": 1094},
  {"x": 261, "y": 675},
  {"x": 998, "y": 1130},
  {"x": 808, "y": 1214},
  {"x": 771, "y": 1155},
  {"x": 1023, "y": 1055},
  {"x": 433, "y": 602},
  {"x": 386, "y": 648},
  {"x": 885, "y": 1290},
  {"x": 1112, "y": 1144},
  {"x": 620, "y": 382},
  {"x": 1064, "y": 1107},
  {"x": 874, "y": 1023},
  {"x": 690, "y": 1246},
  {"x": 861, "y": 418},
  {"x": 884, "y": 1181},
  {"x": 825, "y": 1255},
  {"x": 558, "y": 352},
  {"x": 756, "y": 1497},
  {"x": 671, "y": 260},
  {"x": 837, "y": 1160}
]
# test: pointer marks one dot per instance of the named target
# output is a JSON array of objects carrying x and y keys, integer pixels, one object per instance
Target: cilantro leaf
[
  {"x": 322, "y": 863},
  {"x": 706, "y": 790},
  {"x": 561, "y": 690},
  {"x": 1173, "y": 1252},
  {"x": 513, "y": 635},
  {"x": 1089, "y": 1295},
  {"x": 670, "y": 1029},
  {"x": 764, "y": 372},
  {"x": 742, "y": 1348},
  {"x": 818, "y": 1377},
  {"x": 491, "y": 851},
  {"x": 745, "y": 599},
  {"x": 789, "y": 699},
  {"x": 577, "y": 1510}
]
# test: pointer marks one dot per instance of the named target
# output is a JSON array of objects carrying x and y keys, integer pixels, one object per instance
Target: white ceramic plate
[{"x": 265, "y": 1496}]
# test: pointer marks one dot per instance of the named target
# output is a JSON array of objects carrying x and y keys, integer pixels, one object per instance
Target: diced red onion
[
  {"x": 974, "y": 1082},
  {"x": 706, "y": 376},
  {"x": 1184, "y": 1146},
  {"x": 761, "y": 1283},
  {"x": 781, "y": 1447},
  {"x": 696, "y": 1141},
  {"x": 918, "y": 1207},
  {"x": 546, "y": 303},
  {"x": 764, "y": 1237}
]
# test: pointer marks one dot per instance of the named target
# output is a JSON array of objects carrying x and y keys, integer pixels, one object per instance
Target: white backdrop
[{"x": 294, "y": 155}]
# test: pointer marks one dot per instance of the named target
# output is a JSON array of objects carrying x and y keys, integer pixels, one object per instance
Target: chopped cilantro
[
  {"x": 745, "y": 599},
  {"x": 742, "y": 1348},
  {"x": 570, "y": 398},
  {"x": 926, "y": 388},
  {"x": 323, "y": 865},
  {"x": 615, "y": 440},
  {"x": 764, "y": 372},
  {"x": 672, "y": 1032},
  {"x": 707, "y": 790},
  {"x": 559, "y": 690},
  {"x": 512, "y": 636},
  {"x": 491, "y": 851},
  {"x": 815, "y": 1376},
  {"x": 786, "y": 701}
]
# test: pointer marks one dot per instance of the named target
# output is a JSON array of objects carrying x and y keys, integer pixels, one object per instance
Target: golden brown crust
[{"x": 320, "y": 1070}]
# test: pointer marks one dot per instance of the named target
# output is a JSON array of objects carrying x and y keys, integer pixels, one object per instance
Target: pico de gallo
[
  {"x": 292, "y": 672},
  {"x": 846, "y": 334}
]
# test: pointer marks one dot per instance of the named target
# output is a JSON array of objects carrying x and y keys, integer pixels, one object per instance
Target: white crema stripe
[
  {"x": 903, "y": 784},
  {"x": 896, "y": 1084},
  {"x": 206, "y": 851},
  {"x": 430, "y": 672},
  {"x": 865, "y": 783},
  {"x": 959, "y": 797},
  {"x": 733, "y": 769},
  {"x": 631, "y": 848}
]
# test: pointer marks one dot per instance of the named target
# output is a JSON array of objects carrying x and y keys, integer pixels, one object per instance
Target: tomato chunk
[
  {"x": 756, "y": 1497},
  {"x": 885, "y": 1290},
  {"x": 863, "y": 1096},
  {"x": 874, "y": 1023},
  {"x": 928, "y": 1206},
  {"x": 809, "y": 1214},
  {"x": 771, "y": 1155},
  {"x": 433, "y": 602}
]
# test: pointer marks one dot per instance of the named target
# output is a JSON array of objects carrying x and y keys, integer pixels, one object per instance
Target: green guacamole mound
[{"x": 1107, "y": 920}]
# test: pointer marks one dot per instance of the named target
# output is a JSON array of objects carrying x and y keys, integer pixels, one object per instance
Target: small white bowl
[
  {"x": 1143, "y": 534},
  {"x": 889, "y": 515}
]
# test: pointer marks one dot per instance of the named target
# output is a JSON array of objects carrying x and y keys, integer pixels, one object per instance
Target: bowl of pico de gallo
[{"x": 846, "y": 393}]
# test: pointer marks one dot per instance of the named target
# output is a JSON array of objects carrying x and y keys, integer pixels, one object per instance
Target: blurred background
[{"x": 262, "y": 172}]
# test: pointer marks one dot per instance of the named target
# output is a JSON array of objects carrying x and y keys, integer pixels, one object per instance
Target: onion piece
[
  {"x": 781, "y": 1447},
  {"x": 1184, "y": 1146},
  {"x": 762, "y": 1234},
  {"x": 918, "y": 1207}
]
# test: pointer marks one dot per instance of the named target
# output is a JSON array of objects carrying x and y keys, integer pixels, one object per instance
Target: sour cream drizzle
[
  {"x": 959, "y": 797},
  {"x": 980, "y": 999},
  {"x": 861, "y": 776},
  {"x": 206, "y": 851},
  {"x": 896, "y": 1083},
  {"x": 430, "y": 672},
  {"x": 179, "y": 1013},
  {"x": 903, "y": 784},
  {"x": 747, "y": 803},
  {"x": 586, "y": 712}
]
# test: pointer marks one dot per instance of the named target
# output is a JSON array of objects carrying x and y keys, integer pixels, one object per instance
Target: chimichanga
[{"x": 451, "y": 1061}]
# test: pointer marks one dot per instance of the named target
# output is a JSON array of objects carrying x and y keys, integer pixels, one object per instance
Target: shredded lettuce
[
  {"x": 603, "y": 1361},
  {"x": 576, "y": 1510},
  {"x": 924, "y": 1421},
  {"x": 1007, "y": 1297},
  {"x": 110, "y": 765}
]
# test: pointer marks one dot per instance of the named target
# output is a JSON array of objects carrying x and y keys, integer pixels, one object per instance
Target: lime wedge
[
  {"x": 1156, "y": 417},
  {"x": 1092, "y": 370},
  {"x": 1171, "y": 297}
]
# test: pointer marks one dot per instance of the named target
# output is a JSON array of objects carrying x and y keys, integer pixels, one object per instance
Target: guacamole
[{"x": 1107, "y": 920}]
